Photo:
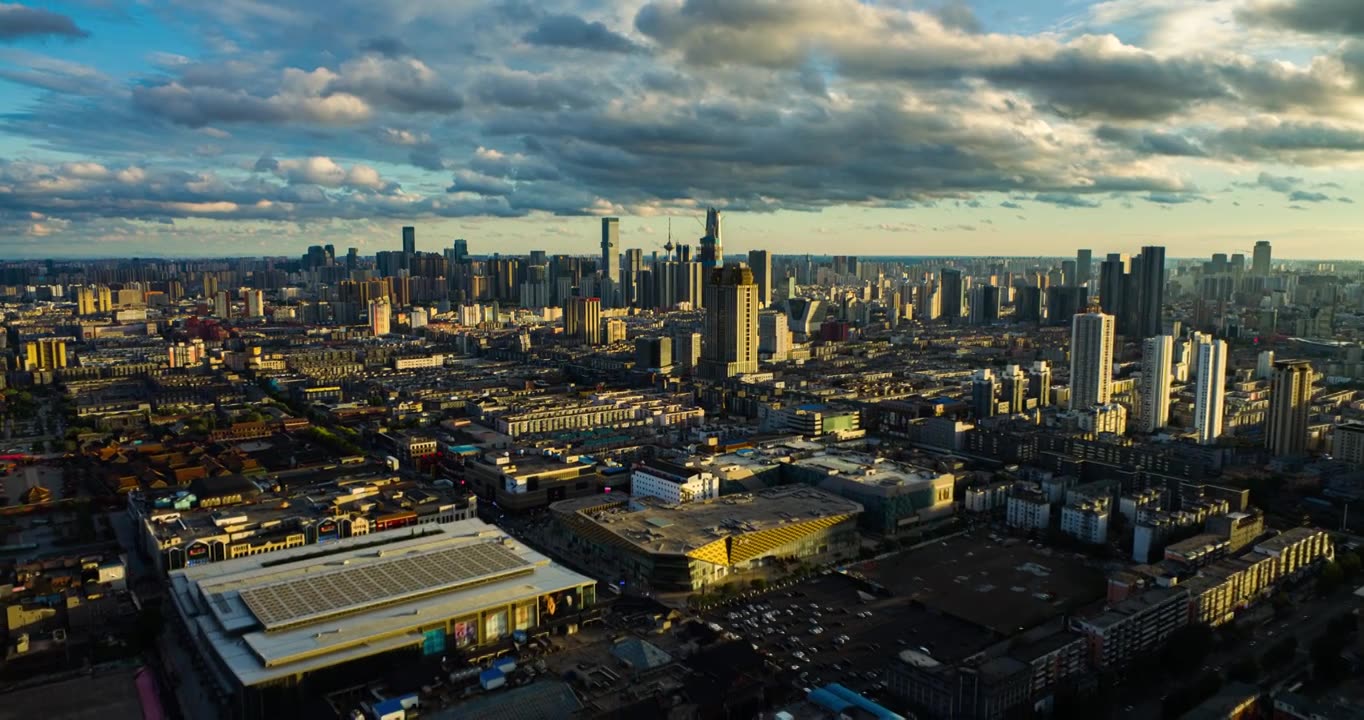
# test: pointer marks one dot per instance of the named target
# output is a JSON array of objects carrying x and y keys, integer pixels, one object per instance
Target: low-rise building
[
  {"x": 694, "y": 547},
  {"x": 895, "y": 497},
  {"x": 1028, "y": 508},
  {"x": 672, "y": 483},
  {"x": 529, "y": 480},
  {"x": 1086, "y": 520},
  {"x": 1134, "y": 626}
]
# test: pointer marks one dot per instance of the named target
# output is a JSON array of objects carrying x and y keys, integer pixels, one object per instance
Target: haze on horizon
[{"x": 988, "y": 127}]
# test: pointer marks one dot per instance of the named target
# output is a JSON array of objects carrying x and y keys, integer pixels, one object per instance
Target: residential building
[
  {"x": 1091, "y": 360},
  {"x": 1157, "y": 356},
  {"x": 1210, "y": 391},
  {"x": 1086, "y": 520},
  {"x": 1347, "y": 442},
  {"x": 1028, "y": 508},
  {"x": 672, "y": 483},
  {"x": 1135, "y": 626},
  {"x": 731, "y": 342},
  {"x": 1290, "y": 399}
]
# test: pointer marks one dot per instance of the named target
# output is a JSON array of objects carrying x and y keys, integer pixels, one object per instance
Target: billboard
[
  {"x": 328, "y": 530},
  {"x": 466, "y": 633}
]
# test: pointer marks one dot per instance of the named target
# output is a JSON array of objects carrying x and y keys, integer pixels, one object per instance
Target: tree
[
  {"x": 1187, "y": 647},
  {"x": 1349, "y": 563},
  {"x": 1245, "y": 670},
  {"x": 1330, "y": 578}
]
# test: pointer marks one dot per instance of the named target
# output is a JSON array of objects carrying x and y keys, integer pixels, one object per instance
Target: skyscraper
[
  {"x": 1209, "y": 393},
  {"x": 952, "y": 294},
  {"x": 582, "y": 319},
  {"x": 712, "y": 249},
  {"x": 1290, "y": 400},
  {"x": 610, "y": 249},
  {"x": 1157, "y": 355},
  {"x": 1091, "y": 360},
  {"x": 1112, "y": 272},
  {"x": 255, "y": 303},
  {"x": 409, "y": 241},
  {"x": 1262, "y": 261},
  {"x": 731, "y": 342},
  {"x": 1084, "y": 265},
  {"x": 984, "y": 304},
  {"x": 1014, "y": 385},
  {"x": 1150, "y": 292},
  {"x": 761, "y": 263},
  {"x": 460, "y": 250},
  {"x": 1039, "y": 382}
]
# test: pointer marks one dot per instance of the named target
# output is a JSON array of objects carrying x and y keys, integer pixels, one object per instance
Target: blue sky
[{"x": 181, "y": 127}]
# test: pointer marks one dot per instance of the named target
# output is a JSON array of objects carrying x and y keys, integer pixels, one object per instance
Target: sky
[{"x": 893, "y": 127}]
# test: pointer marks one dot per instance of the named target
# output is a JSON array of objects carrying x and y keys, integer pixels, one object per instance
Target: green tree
[{"x": 1330, "y": 578}]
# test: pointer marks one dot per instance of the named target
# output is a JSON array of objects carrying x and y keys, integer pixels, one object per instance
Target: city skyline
[{"x": 230, "y": 128}]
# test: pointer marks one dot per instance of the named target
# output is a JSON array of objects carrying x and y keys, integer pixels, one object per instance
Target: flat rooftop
[
  {"x": 303, "y": 609},
  {"x": 660, "y": 528},
  {"x": 1007, "y": 586},
  {"x": 868, "y": 470}
]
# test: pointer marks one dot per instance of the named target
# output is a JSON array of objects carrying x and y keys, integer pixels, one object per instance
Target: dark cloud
[
  {"x": 1150, "y": 143},
  {"x": 387, "y": 46},
  {"x": 1011, "y": 205},
  {"x": 18, "y": 22},
  {"x": 1308, "y": 196},
  {"x": 571, "y": 31},
  {"x": 957, "y": 14},
  {"x": 1328, "y": 17},
  {"x": 1172, "y": 198}
]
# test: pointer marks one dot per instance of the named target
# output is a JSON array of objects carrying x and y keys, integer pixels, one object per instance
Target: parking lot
[{"x": 827, "y": 630}]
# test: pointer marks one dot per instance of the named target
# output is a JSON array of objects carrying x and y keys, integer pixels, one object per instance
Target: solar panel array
[{"x": 379, "y": 582}]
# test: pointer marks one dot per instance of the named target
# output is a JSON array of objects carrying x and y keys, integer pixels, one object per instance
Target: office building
[
  {"x": 1262, "y": 262},
  {"x": 1347, "y": 442},
  {"x": 610, "y": 251},
  {"x": 409, "y": 243},
  {"x": 1153, "y": 386},
  {"x": 1091, "y": 360},
  {"x": 761, "y": 263},
  {"x": 1039, "y": 382},
  {"x": 984, "y": 307},
  {"x": 612, "y": 331},
  {"x": 774, "y": 335},
  {"x": 1210, "y": 391},
  {"x": 1150, "y": 293},
  {"x": 1084, "y": 265},
  {"x": 380, "y": 316},
  {"x": 260, "y": 638},
  {"x": 44, "y": 354},
  {"x": 1064, "y": 302},
  {"x": 953, "y": 294},
  {"x": 712, "y": 249},
  {"x": 1290, "y": 400},
  {"x": 654, "y": 353},
  {"x": 984, "y": 388},
  {"x": 1264, "y": 365},
  {"x": 731, "y": 341},
  {"x": 1112, "y": 278},
  {"x": 687, "y": 351},
  {"x": 582, "y": 319}
]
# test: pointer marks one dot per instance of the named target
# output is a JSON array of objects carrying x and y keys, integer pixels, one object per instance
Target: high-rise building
[
  {"x": 1091, "y": 360},
  {"x": 1262, "y": 261},
  {"x": 1347, "y": 442},
  {"x": 761, "y": 262},
  {"x": 1210, "y": 391},
  {"x": 222, "y": 305},
  {"x": 380, "y": 316},
  {"x": 1064, "y": 302},
  {"x": 952, "y": 294},
  {"x": 687, "y": 351},
  {"x": 1112, "y": 275},
  {"x": 984, "y": 305},
  {"x": 1157, "y": 356},
  {"x": 582, "y": 319},
  {"x": 1014, "y": 386},
  {"x": 612, "y": 331},
  {"x": 409, "y": 241},
  {"x": 712, "y": 249},
  {"x": 1028, "y": 304},
  {"x": 731, "y": 343},
  {"x": 45, "y": 354},
  {"x": 1084, "y": 265},
  {"x": 774, "y": 335},
  {"x": 984, "y": 388},
  {"x": 1290, "y": 402},
  {"x": 1150, "y": 292},
  {"x": 1039, "y": 382},
  {"x": 255, "y": 304},
  {"x": 610, "y": 249},
  {"x": 630, "y": 281},
  {"x": 1264, "y": 365},
  {"x": 654, "y": 353},
  {"x": 460, "y": 250}
]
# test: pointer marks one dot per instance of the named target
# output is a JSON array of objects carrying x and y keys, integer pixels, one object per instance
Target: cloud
[
  {"x": 1307, "y": 196},
  {"x": 403, "y": 84},
  {"x": 1150, "y": 143},
  {"x": 1066, "y": 200},
  {"x": 300, "y": 97},
  {"x": 1331, "y": 17},
  {"x": 1172, "y": 198},
  {"x": 19, "y": 21},
  {"x": 1011, "y": 205},
  {"x": 322, "y": 171},
  {"x": 1278, "y": 183},
  {"x": 571, "y": 31}
]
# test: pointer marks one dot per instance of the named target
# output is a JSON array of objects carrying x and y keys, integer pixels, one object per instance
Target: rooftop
[
  {"x": 678, "y": 529},
  {"x": 292, "y": 611}
]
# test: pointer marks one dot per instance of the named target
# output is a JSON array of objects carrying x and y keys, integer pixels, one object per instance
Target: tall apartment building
[
  {"x": 1210, "y": 392},
  {"x": 731, "y": 342},
  {"x": 1091, "y": 360},
  {"x": 1347, "y": 442},
  {"x": 1261, "y": 261},
  {"x": 761, "y": 263},
  {"x": 255, "y": 303},
  {"x": 45, "y": 354},
  {"x": 582, "y": 319},
  {"x": 610, "y": 250},
  {"x": 1290, "y": 400},
  {"x": 984, "y": 388},
  {"x": 1157, "y": 355},
  {"x": 953, "y": 294},
  {"x": 380, "y": 316}
]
